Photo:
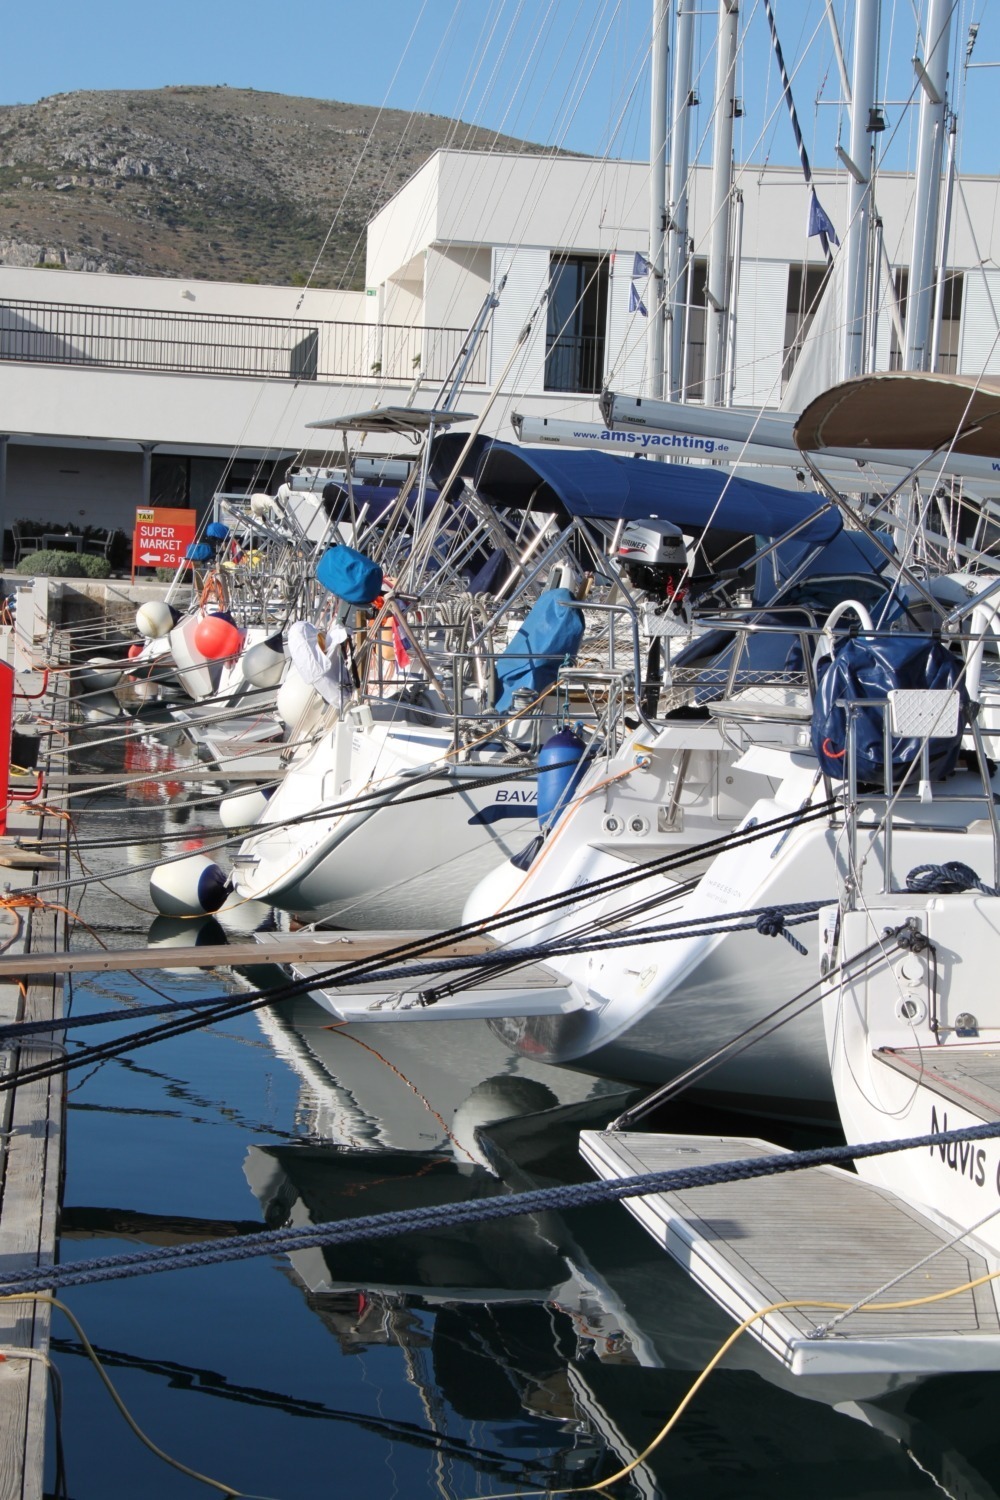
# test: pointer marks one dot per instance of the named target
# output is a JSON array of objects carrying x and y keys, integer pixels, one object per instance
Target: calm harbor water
[{"x": 535, "y": 1355}]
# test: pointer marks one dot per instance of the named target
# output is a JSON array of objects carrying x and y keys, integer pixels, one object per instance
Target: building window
[
  {"x": 805, "y": 288},
  {"x": 691, "y": 375},
  {"x": 577, "y": 323}
]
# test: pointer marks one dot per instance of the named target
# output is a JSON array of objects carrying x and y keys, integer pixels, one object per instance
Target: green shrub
[
  {"x": 94, "y": 566},
  {"x": 53, "y": 564}
]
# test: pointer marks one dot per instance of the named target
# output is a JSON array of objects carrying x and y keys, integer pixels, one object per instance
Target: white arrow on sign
[{"x": 153, "y": 557}]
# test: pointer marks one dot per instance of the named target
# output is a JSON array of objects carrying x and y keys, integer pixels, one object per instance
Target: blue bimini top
[{"x": 602, "y": 486}]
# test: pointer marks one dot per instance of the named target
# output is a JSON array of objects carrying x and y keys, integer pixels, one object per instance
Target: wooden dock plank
[
  {"x": 321, "y": 948},
  {"x": 32, "y": 1143}
]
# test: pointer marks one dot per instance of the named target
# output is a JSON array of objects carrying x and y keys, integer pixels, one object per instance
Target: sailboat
[{"x": 910, "y": 1021}]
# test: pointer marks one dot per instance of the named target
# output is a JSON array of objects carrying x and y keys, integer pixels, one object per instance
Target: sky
[{"x": 568, "y": 73}]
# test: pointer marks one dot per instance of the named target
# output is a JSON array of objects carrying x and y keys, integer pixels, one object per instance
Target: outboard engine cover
[{"x": 653, "y": 557}]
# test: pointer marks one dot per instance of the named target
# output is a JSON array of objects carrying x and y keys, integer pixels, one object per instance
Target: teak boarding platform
[
  {"x": 966, "y": 1076},
  {"x": 525, "y": 990},
  {"x": 817, "y": 1235}
]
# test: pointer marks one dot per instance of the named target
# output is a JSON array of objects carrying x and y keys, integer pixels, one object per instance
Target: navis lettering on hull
[{"x": 963, "y": 1157}]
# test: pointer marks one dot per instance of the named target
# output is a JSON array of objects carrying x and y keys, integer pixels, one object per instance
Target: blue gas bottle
[{"x": 560, "y": 766}]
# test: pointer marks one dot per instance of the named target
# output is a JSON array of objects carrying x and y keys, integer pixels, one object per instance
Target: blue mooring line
[{"x": 455, "y": 1215}]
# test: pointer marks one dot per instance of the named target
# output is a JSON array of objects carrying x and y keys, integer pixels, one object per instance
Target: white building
[{"x": 118, "y": 391}]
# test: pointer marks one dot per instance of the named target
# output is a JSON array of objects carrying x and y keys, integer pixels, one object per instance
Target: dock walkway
[{"x": 31, "y": 1124}]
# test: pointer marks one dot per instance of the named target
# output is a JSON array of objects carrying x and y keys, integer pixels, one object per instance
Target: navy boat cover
[
  {"x": 602, "y": 486},
  {"x": 864, "y": 667}
]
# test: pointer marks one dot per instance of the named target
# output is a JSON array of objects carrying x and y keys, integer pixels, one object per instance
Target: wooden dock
[
  {"x": 31, "y": 1151},
  {"x": 321, "y": 948}
]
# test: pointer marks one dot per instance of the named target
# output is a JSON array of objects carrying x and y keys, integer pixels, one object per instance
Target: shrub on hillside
[
  {"x": 54, "y": 564},
  {"x": 95, "y": 566}
]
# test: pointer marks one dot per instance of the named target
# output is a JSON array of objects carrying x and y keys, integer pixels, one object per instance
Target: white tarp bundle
[{"x": 317, "y": 657}]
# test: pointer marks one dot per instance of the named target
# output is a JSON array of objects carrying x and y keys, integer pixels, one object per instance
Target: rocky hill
[{"x": 216, "y": 183}]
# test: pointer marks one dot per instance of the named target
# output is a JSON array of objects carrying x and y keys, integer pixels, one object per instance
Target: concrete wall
[
  {"x": 460, "y": 198},
  {"x": 65, "y": 485},
  {"x": 456, "y": 281},
  {"x": 160, "y": 293}
]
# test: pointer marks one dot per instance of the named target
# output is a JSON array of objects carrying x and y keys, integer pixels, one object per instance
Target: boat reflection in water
[
  {"x": 547, "y": 1350},
  {"x": 387, "y": 1088}
]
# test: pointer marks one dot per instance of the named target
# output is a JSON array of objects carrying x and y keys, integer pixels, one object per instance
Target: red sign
[{"x": 162, "y": 536}]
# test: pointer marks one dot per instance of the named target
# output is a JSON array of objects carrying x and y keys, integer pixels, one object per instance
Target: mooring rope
[
  {"x": 461, "y": 1215},
  {"x": 770, "y": 921}
]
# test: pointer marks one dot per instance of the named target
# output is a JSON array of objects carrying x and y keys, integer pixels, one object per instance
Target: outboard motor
[{"x": 653, "y": 558}]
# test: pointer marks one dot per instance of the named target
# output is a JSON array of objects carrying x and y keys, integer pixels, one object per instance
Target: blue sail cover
[
  {"x": 549, "y": 634},
  {"x": 602, "y": 486}
]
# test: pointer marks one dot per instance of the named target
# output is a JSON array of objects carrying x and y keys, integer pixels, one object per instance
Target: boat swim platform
[
  {"x": 524, "y": 990},
  {"x": 967, "y": 1076},
  {"x": 816, "y": 1235},
  {"x": 527, "y": 990},
  {"x": 320, "y": 949}
]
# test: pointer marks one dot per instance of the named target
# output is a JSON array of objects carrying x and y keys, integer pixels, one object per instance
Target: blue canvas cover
[
  {"x": 350, "y": 575},
  {"x": 604, "y": 486},
  {"x": 863, "y": 667},
  {"x": 548, "y": 635}
]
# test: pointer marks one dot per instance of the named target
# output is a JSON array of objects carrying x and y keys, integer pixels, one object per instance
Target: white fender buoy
[
  {"x": 181, "y": 932},
  {"x": 239, "y": 915},
  {"x": 263, "y": 665},
  {"x": 154, "y": 619},
  {"x": 241, "y": 809},
  {"x": 294, "y": 697},
  {"x": 100, "y": 674},
  {"x": 99, "y": 710},
  {"x": 188, "y": 887},
  {"x": 494, "y": 1099}
]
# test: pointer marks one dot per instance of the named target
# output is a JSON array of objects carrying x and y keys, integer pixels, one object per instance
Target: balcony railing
[
  {"x": 190, "y": 343},
  {"x": 574, "y": 362}
]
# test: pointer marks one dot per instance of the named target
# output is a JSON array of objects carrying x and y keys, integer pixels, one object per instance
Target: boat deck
[
  {"x": 794, "y": 1238},
  {"x": 968, "y": 1077}
]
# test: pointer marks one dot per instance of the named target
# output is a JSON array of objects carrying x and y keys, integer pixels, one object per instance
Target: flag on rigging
[
  {"x": 640, "y": 265},
  {"x": 635, "y": 302},
  {"x": 820, "y": 221}
]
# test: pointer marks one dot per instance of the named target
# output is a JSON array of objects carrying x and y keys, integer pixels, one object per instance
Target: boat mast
[
  {"x": 932, "y": 75},
  {"x": 677, "y": 208},
  {"x": 942, "y": 260},
  {"x": 717, "y": 289},
  {"x": 859, "y": 167},
  {"x": 656, "y": 331}
]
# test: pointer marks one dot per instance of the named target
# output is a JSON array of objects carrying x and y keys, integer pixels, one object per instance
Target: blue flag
[
  {"x": 640, "y": 265},
  {"x": 820, "y": 221},
  {"x": 635, "y": 302}
]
